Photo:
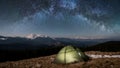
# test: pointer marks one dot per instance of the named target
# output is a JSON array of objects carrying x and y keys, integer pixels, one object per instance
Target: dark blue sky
[{"x": 60, "y": 18}]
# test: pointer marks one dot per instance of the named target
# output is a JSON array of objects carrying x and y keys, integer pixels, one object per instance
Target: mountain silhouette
[{"x": 110, "y": 46}]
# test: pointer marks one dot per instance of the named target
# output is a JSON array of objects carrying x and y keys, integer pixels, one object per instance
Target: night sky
[{"x": 61, "y": 18}]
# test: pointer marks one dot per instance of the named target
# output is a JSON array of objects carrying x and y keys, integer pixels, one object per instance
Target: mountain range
[{"x": 34, "y": 41}]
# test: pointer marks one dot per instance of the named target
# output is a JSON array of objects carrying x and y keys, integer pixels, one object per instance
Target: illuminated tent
[{"x": 70, "y": 54}]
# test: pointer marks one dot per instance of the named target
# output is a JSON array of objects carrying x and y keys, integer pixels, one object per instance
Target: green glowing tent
[{"x": 70, "y": 54}]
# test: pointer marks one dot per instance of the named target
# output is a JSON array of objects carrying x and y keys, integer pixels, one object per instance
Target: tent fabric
[{"x": 70, "y": 54}]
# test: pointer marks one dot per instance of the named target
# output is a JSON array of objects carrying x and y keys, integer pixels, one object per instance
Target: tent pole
[{"x": 65, "y": 56}]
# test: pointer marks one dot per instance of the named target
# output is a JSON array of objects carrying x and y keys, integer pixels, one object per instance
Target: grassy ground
[{"x": 47, "y": 62}]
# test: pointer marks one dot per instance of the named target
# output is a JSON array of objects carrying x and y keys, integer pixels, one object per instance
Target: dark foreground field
[
  {"x": 44, "y": 57},
  {"x": 47, "y": 62}
]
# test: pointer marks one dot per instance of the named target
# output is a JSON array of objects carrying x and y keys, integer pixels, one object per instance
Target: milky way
[{"x": 60, "y": 18}]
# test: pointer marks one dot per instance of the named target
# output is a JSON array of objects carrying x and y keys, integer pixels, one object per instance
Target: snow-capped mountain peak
[
  {"x": 3, "y": 38},
  {"x": 33, "y": 36}
]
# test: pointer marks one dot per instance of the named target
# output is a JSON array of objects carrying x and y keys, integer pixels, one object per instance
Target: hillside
[
  {"x": 37, "y": 51},
  {"x": 111, "y": 46},
  {"x": 47, "y": 62},
  {"x": 44, "y": 57}
]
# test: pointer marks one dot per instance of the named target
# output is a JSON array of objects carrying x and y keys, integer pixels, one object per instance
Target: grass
[{"x": 47, "y": 62}]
